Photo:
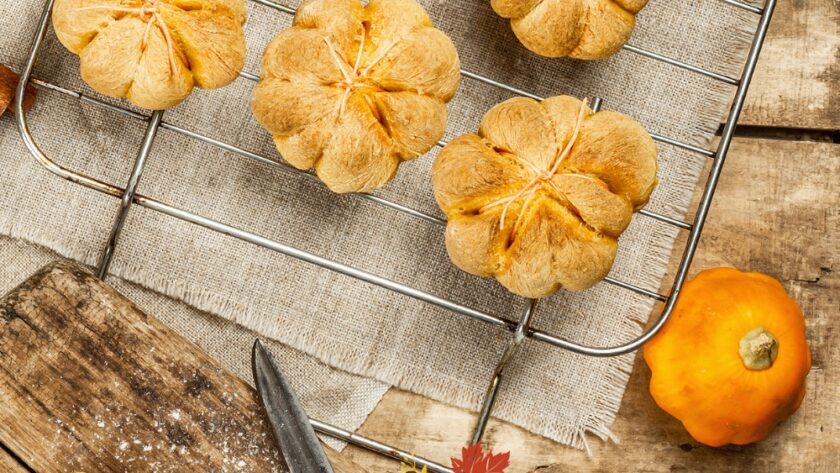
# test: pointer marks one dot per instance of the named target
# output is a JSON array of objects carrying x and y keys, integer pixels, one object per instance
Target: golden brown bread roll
[
  {"x": 153, "y": 51},
  {"x": 539, "y": 197},
  {"x": 583, "y": 29},
  {"x": 353, "y": 91}
]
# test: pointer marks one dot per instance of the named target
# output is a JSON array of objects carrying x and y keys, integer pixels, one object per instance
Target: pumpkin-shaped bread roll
[
  {"x": 153, "y": 52},
  {"x": 354, "y": 90},
  {"x": 583, "y": 29},
  {"x": 539, "y": 197}
]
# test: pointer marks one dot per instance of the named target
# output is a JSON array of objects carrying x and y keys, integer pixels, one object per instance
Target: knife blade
[{"x": 292, "y": 429}]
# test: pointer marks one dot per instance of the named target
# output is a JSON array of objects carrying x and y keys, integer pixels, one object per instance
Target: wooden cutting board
[{"x": 90, "y": 383}]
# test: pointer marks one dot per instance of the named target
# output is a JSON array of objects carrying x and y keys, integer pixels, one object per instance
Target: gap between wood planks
[
  {"x": 13, "y": 459},
  {"x": 785, "y": 133}
]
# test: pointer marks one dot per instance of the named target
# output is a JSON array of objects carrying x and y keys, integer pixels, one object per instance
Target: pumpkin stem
[{"x": 758, "y": 349}]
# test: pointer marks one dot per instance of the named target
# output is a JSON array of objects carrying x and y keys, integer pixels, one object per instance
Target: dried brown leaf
[{"x": 8, "y": 85}]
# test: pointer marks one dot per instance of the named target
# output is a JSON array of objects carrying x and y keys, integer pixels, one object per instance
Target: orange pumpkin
[{"x": 732, "y": 360}]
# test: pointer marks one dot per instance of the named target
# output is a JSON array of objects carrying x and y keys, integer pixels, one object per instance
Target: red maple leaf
[{"x": 474, "y": 460}]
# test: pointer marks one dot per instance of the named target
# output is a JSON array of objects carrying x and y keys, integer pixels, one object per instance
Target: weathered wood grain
[
  {"x": 777, "y": 210},
  {"x": 89, "y": 383},
  {"x": 796, "y": 82},
  {"x": 9, "y": 464}
]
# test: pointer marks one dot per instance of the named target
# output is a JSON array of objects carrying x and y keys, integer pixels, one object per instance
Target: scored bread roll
[
  {"x": 582, "y": 29},
  {"x": 354, "y": 90},
  {"x": 538, "y": 198},
  {"x": 153, "y": 52}
]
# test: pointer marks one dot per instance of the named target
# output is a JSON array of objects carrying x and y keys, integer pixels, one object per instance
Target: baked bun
[
  {"x": 583, "y": 29},
  {"x": 538, "y": 198},
  {"x": 153, "y": 52},
  {"x": 353, "y": 91}
]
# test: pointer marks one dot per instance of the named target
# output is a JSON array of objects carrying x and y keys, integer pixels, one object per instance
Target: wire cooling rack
[{"x": 520, "y": 329}]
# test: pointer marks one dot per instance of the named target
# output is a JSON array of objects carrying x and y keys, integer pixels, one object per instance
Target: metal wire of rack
[{"x": 520, "y": 329}]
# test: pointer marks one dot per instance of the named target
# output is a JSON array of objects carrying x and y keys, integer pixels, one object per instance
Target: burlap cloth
[{"x": 345, "y": 323}]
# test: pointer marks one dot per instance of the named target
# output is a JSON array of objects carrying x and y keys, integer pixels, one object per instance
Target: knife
[{"x": 292, "y": 429}]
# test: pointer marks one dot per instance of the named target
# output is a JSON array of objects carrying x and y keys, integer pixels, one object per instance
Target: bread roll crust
[
  {"x": 153, "y": 52},
  {"x": 539, "y": 196},
  {"x": 582, "y": 29},
  {"x": 354, "y": 91}
]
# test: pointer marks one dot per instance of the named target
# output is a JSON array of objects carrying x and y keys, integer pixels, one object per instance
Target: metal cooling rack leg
[
  {"x": 377, "y": 447},
  {"x": 512, "y": 349},
  {"x": 128, "y": 195}
]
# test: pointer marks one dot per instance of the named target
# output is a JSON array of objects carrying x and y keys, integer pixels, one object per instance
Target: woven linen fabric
[{"x": 349, "y": 324}]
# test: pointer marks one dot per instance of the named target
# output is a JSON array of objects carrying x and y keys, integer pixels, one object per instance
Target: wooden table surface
[
  {"x": 777, "y": 211},
  {"x": 90, "y": 383}
]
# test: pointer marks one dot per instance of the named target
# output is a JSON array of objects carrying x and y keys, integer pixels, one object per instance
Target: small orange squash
[{"x": 732, "y": 360}]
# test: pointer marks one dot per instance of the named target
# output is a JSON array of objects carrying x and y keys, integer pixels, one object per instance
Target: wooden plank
[
  {"x": 777, "y": 211},
  {"x": 796, "y": 82},
  {"x": 8, "y": 464},
  {"x": 438, "y": 431},
  {"x": 90, "y": 383}
]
